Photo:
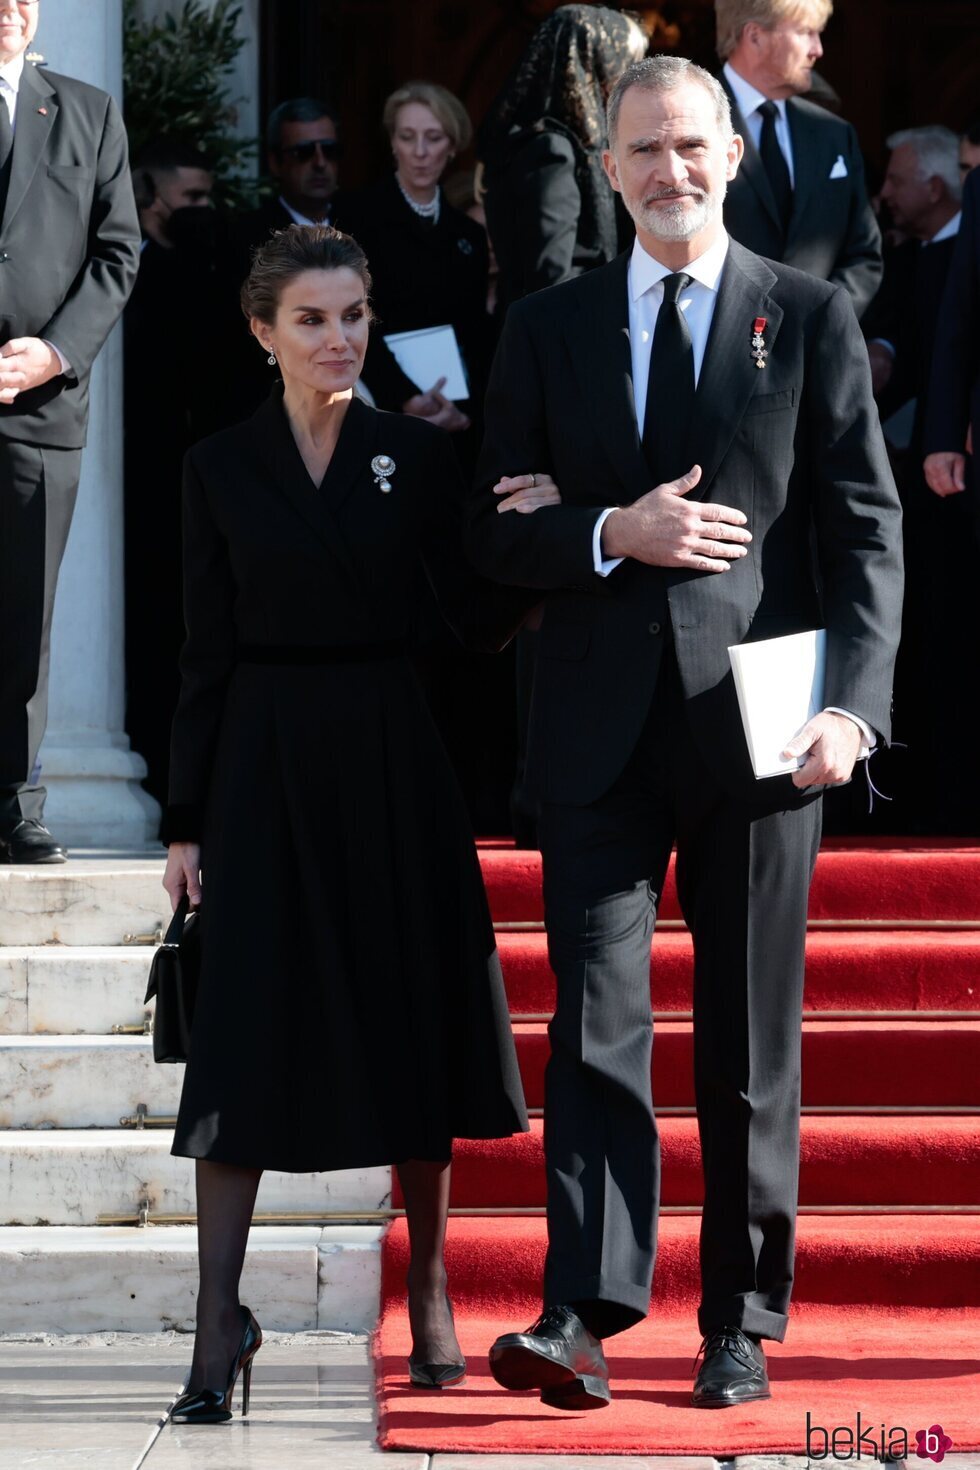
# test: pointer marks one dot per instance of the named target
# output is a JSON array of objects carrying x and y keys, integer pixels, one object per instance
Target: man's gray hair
[
  {"x": 664, "y": 74},
  {"x": 295, "y": 110},
  {"x": 937, "y": 152}
]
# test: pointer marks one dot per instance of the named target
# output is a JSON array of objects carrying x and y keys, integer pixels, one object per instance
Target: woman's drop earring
[{"x": 271, "y": 359}]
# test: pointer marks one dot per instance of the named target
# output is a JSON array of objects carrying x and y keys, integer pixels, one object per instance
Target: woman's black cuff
[{"x": 181, "y": 824}]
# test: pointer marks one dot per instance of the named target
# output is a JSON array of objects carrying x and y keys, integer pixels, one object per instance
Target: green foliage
[{"x": 175, "y": 76}]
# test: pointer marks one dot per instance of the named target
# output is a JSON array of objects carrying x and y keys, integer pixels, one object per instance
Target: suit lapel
[
  {"x": 32, "y": 131},
  {"x": 598, "y": 340},
  {"x": 752, "y": 168},
  {"x": 729, "y": 375},
  {"x": 290, "y": 480}
]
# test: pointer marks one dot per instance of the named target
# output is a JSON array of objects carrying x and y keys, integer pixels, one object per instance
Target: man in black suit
[
  {"x": 172, "y": 398},
  {"x": 953, "y": 422},
  {"x": 788, "y": 520},
  {"x": 970, "y": 148},
  {"x": 921, "y": 192},
  {"x": 799, "y": 195},
  {"x": 69, "y": 248}
]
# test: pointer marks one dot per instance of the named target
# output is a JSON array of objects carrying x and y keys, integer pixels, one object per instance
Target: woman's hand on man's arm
[{"x": 526, "y": 493}]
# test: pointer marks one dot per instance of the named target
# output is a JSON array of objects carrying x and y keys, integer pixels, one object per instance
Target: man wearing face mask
[
  {"x": 68, "y": 255},
  {"x": 175, "y": 330}
]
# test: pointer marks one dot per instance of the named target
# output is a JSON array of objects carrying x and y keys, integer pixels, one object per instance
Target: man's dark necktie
[
  {"x": 6, "y": 152},
  {"x": 670, "y": 389},
  {"x": 774, "y": 163}
]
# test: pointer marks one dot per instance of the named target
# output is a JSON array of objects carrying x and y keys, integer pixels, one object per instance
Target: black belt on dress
[{"x": 305, "y": 655}]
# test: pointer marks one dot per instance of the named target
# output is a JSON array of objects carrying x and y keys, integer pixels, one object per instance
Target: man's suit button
[
  {"x": 654, "y": 628},
  {"x": 3, "y": 256}
]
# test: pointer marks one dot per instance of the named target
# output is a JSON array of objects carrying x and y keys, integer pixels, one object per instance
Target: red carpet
[
  {"x": 886, "y": 1312},
  {"x": 922, "y": 879}
]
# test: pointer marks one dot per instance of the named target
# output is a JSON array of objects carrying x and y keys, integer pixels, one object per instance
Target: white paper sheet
[
  {"x": 780, "y": 683},
  {"x": 428, "y": 355}
]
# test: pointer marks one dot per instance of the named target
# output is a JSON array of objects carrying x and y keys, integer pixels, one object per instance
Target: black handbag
[{"x": 173, "y": 980}]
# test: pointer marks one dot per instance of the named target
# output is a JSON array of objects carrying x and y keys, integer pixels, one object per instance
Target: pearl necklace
[{"x": 425, "y": 211}]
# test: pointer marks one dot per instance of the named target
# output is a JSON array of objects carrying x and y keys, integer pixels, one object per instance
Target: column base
[{"x": 94, "y": 795}]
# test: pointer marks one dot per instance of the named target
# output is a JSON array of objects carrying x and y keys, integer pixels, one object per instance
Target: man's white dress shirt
[
  {"x": 301, "y": 219},
  {"x": 749, "y": 99},
  {"x": 645, "y": 291},
  {"x": 10, "y": 76}
]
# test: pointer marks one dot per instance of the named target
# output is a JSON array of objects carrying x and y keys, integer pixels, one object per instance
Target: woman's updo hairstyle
[{"x": 290, "y": 253}]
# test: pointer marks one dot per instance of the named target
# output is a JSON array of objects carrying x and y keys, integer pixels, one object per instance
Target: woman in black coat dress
[
  {"x": 550, "y": 211},
  {"x": 351, "y": 1009}
]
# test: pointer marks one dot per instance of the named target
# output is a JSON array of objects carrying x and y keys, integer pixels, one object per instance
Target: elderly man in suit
[
  {"x": 69, "y": 249},
  {"x": 800, "y": 195},
  {"x": 921, "y": 191},
  {"x": 709, "y": 419},
  {"x": 952, "y": 427}
]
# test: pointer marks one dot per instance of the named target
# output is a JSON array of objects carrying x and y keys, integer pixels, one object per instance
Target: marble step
[
  {"x": 97, "y": 898},
  {"x": 67, "y": 990},
  {"x": 74, "y": 1176},
  {"x": 82, "y": 1081},
  {"x": 65, "y": 1279}
]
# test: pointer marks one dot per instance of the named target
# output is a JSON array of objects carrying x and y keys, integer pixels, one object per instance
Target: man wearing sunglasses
[
  {"x": 69, "y": 250},
  {"x": 302, "y": 155}
]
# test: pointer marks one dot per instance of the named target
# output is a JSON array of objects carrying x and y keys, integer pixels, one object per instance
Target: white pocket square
[{"x": 839, "y": 170}]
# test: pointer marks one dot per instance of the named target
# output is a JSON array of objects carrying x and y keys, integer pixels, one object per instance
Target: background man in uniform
[
  {"x": 69, "y": 249},
  {"x": 799, "y": 195}
]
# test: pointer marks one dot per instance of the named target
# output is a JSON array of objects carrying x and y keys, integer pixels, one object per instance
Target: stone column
[{"x": 92, "y": 775}]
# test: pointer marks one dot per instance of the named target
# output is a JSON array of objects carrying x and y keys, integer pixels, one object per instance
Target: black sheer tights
[
  {"x": 225, "y": 1202},
  {"x": 425, "y": 1188}
]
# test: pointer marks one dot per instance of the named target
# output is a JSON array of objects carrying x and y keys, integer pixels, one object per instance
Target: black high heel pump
[
  {"x": 213, "y": 1405},
  {"x": 437, "y": 1375}
]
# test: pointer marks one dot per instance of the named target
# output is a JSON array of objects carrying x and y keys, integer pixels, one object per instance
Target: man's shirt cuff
[
  {"x": 603, "y": 565},
  {"x": 65, "y": 364},
  {"x": 869, "y": 739}
]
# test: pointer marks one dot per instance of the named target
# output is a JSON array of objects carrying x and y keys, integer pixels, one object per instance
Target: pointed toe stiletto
[
  {"x": 213, "y": 1405},
  {"x": 436, "y": 1375}
]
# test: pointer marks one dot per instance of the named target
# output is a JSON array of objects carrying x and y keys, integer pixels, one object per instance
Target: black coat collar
[{"x": 317, "y": 505}]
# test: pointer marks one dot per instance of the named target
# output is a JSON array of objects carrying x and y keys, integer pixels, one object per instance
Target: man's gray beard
[{"x": 677, "y": 221}]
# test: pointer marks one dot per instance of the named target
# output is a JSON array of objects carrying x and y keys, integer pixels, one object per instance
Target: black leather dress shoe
[
  {"x": 29, "y": 842},
  {"x": 733, "y": 1370},
  {"x": 559, "y": 1356}
]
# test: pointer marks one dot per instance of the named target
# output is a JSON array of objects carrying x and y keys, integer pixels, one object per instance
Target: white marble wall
[
  {"x": 62, "y": 991},
  {"x": 71, "y": 1177},
  {"x": 83, "y": 901},
  {"x": 296, "y": 1278},
  {"x": 13, "y": 993},
  {"x": 82, "y": 1081}
]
